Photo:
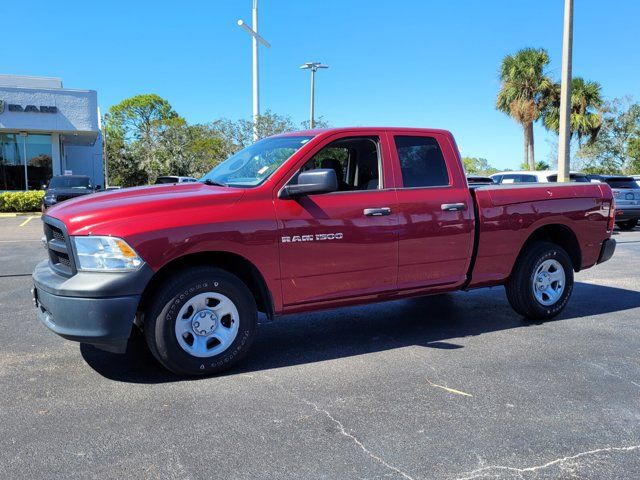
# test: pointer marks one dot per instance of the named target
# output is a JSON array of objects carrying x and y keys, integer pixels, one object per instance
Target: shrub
[{"x": 30, "y": 201}]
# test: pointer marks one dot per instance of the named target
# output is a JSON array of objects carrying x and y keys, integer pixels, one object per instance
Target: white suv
[{"x": 538, "y": 176}]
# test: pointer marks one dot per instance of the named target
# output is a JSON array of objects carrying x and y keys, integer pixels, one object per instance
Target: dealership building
[{"x": 47, "y": 130}]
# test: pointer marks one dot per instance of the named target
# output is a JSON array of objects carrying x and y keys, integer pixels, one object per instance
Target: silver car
[{"x": 626, "y": 193}]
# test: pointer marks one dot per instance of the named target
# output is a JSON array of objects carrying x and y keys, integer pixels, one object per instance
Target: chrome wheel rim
[
  {"x": 207, "y": 324},
  {"x": 549, "y": 282}
]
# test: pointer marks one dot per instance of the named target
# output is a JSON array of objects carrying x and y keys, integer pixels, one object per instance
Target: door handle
[
  {"x": 453, "y": 207},
  {"x": 377, "y": 212}
]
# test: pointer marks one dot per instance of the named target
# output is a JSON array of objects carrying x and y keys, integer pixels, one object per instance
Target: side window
[
  {"x": 356, "y": 161},
  {"x": 421, "y": 162},
  {"x": 528, "y": 179}
]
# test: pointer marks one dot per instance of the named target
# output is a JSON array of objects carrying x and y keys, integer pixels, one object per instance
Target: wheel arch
[
  {"x": 231, "y": 262},
  {"x": 562, "y": 236}
]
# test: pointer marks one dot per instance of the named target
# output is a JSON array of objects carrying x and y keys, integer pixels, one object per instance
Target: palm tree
[
  {"x": 524, "y": 92},
  {"x": 585, "y": 104}
]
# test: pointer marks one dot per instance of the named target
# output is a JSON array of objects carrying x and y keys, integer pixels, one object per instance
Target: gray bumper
[
  {"x": 623, "y": 214},
  {"x": 93, "y": 308}
]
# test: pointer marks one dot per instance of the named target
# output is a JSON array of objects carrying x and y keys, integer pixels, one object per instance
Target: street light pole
[
  {"x": 105, "y": 155},
  {"x": 253, "y": 31},
  {"x": 313, "y": 66},
  {"x": 564, "y": 142}
]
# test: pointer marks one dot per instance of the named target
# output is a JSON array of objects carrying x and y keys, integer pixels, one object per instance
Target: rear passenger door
[{"x": 435, "y": 211}]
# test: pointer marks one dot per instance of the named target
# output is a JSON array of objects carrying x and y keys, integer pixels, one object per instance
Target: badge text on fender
[{"x": 318, "y": 237}]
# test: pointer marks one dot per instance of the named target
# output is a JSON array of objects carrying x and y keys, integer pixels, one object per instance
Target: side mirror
[
  {"x": 97, "y": 188},
  {"x": 321, "y": 180}
]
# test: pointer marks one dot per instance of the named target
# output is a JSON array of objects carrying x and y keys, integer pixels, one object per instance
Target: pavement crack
[
  {"x": 610, "y": 373},
  {"x": 343, "y": 431},
  {"x": 492, "y": 470}
]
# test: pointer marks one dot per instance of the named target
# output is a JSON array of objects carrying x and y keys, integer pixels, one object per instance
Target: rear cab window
[{"x": 422, "y": 163}]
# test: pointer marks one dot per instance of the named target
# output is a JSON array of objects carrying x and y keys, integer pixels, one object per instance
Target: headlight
[
  {"x": 105, "y": 254},
  {"x": 49, "y": 198}
]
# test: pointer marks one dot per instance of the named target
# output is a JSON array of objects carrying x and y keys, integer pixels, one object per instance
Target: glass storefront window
[
  {"x": 25, "y": 161},
  {"x": 39, "y": 164}
]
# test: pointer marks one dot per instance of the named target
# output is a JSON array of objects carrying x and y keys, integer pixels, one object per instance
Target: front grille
[
  {"x": 59, "y": 247},
  {"x": 57, "y": 234}
]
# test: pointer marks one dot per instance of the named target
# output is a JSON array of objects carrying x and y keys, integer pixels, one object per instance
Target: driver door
[{"x": 342, "y": 244}]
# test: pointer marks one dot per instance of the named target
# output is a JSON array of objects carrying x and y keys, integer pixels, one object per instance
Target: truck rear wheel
[
  {"x": 201, "y": 321},
  {"x": 628, "y": 224},
  {"x": 541, "y": 282}
]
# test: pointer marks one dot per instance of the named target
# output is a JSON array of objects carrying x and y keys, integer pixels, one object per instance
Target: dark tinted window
[
  {"x": 162, "y": 180},
  {"x": 572, "y": 177},
  {"x": 621, "y": 182},
  {"x": 421, "y": 162}
]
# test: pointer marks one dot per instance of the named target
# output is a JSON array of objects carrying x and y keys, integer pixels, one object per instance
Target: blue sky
[{"x": 403, "y": 63}]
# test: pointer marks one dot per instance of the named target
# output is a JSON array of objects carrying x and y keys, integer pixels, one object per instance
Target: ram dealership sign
[{"x": 13, "y": 107}]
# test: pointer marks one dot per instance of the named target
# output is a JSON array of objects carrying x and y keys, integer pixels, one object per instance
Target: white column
[
  {"x": 564, "y": 142},
  {"x": 56, "y": 157}
]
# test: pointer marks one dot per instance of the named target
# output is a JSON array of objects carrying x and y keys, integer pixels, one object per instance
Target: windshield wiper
[{"x": 216, "y": 184}]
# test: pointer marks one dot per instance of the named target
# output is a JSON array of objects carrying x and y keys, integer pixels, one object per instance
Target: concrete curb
[{"x": 19, "y": 214}]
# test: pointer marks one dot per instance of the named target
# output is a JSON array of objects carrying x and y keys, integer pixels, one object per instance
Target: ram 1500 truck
[{"x": 305, "y": 221}]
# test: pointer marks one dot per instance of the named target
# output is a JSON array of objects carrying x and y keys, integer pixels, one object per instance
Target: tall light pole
[
  {"x": 564, "y": 142},
  {"x": 105, "y": 154},
  {"x": 253, "y": 31},
  {"x": 313, "y": 66}
]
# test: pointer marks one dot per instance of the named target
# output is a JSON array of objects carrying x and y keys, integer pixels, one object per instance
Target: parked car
[
  {"x": 537, "y": 176},
  {"x": 626, "y": 193},
  {"x": 301, "y": 222},
  {"x": 174, "y": 179},
  {"x": 64, "y": 187}
]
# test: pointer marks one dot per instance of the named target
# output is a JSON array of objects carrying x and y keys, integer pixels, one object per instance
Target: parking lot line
[{"x": 26, "y": 221}]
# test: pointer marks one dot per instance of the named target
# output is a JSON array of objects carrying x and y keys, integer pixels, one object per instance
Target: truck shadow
[{"x": 431, "y": 322}]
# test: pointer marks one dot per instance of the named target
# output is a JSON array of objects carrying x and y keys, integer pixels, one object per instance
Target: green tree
[
  {"x": 586, "y": 100},
  {"x": 477, "y": 166},
  {"x": 524, "y": 92},
  {"x": 540, "y": 165},
  {"x": 614, "y": 149},
  {"x": 238, "y": 134},
  {"x": 134, "y": 131}
]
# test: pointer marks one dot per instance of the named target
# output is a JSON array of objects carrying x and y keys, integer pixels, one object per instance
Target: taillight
[{"x": 612, "y": 216}]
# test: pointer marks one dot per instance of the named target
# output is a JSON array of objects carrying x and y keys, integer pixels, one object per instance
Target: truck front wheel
[
  {"x": 202, "y": 321},
  {"x": 541, "y": 282}
]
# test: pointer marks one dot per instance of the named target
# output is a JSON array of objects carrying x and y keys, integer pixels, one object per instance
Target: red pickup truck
[{"x": 305, "y": 221}]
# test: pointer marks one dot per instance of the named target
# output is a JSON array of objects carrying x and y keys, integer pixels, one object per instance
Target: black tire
[
  {"x": 160, "y": 320},
  {"x": 628, "y": 224},
  {"x": 520, "y": 285}
]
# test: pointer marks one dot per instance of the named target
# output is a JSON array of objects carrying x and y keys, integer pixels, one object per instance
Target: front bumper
[
  {"x": 607, "y": 250},
  {"x": 623, "y": 214},
  {"x": 89, "y": 307}
]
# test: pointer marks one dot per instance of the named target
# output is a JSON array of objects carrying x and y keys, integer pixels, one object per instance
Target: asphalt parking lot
[{"x": 449, "y": 387}]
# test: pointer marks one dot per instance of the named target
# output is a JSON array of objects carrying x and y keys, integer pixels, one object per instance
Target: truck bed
[{"x": 508, "y": 214}]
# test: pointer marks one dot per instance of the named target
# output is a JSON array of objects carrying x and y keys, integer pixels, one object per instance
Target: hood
[{"x": 132, "y": 210}]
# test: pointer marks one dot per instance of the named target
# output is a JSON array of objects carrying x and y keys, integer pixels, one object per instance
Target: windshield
[
  {"x": 254, "y": 164},
  {"x": 70, "y": 182}
]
